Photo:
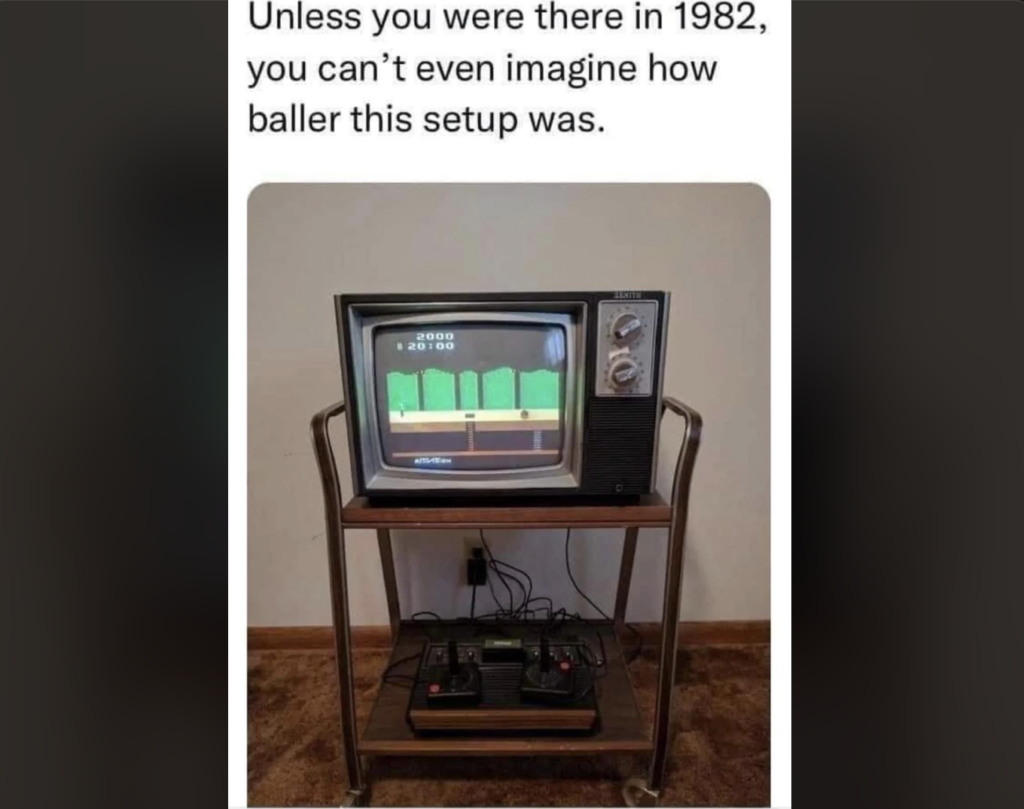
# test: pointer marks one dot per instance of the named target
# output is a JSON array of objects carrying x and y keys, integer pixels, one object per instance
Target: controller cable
[
  {"x": 389, "y": 678},
  {"x": 568, "y": 569},
  {"x": 555, "y": 620},
  {"x": 527, "y": 589}
]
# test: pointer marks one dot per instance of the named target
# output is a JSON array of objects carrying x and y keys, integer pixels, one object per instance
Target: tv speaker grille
[{"x": 619, "y": 438}]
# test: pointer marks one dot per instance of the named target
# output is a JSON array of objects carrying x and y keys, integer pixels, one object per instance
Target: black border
[{"x": 591, "y": 299}]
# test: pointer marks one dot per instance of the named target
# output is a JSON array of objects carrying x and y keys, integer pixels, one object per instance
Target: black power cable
[
  {"x": 491, "y": 564},
  {"x": 568, "y": 569},
  {"x": 527, "y": 589},
  {"x": 390, "y": 678}
]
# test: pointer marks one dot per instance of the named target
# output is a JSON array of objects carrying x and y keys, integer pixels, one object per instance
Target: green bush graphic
[
  {"x": 500, "y": 389},
  {"x": 538, "y": 389},
  {"x": 438, "y": 390},
  {"x": 469, "y": 390},
  {"x": 403, "y": 392}
]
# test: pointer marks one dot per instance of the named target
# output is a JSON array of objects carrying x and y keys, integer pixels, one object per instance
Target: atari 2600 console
[{"x": 504, "y": 684}]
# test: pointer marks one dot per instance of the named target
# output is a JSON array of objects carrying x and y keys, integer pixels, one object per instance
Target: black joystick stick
[
  {"x": 454, "y": 682},
  {"x": 453, "y": 658},
  {"x": 544, "y": 680}
]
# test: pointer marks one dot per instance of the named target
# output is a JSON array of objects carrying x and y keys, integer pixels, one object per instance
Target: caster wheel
[
  {"x": 635, "y": 793},
  {"x": 355, "y": 797}
]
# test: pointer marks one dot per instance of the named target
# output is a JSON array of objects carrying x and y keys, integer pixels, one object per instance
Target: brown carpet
[{"x": 719, "y": 754}]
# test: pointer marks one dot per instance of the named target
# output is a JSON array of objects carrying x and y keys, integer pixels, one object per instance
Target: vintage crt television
[{"x": 503, "y": 394}]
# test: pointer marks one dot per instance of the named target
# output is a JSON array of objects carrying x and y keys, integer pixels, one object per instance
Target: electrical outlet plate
[{"x": 468, "y": 544}]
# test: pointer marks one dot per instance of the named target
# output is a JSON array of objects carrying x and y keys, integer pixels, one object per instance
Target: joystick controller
[
  {"x": 454, "y": 681},
  {"x": 547, "y": 679},
  {"x": 483, "y": 685}
]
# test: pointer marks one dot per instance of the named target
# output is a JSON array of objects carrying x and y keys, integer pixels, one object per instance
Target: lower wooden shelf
[{"x": 622, "y": 729}]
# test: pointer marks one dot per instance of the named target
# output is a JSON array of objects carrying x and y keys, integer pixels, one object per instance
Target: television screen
[{"x": 471, "y": 396}]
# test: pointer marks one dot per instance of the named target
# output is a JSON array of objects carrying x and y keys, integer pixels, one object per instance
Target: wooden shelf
[
  {"x": 650, "y": 512},
  {"x": 621, "y": 728}
]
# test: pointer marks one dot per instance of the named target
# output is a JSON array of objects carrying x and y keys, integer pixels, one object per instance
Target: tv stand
[{"x": 622, "y": 728}]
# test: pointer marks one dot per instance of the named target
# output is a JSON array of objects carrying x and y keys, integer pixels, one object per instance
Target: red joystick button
[
  {"x": 564, "y": 665},
  {"x": 434, "y": 688}
]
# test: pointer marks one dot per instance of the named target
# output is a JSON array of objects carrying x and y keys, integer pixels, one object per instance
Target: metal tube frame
[
  {"x": 625, "y": 577},
  {"x": 356, "y": 794},
  {"x": 649, "y": 791},
  {"x": 387, "y": 564},
  {"x": 673, "y": 584}
]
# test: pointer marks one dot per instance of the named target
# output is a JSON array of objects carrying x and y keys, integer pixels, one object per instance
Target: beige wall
[{"x": 706, "y": 244}]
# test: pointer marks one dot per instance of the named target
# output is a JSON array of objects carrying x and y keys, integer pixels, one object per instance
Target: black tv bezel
[{"x": 586, "y": 376}]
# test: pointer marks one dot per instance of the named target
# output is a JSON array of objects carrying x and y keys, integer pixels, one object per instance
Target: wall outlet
[
  {"x": 469, "y": 544},
  {"x": 476, "y": 563}
]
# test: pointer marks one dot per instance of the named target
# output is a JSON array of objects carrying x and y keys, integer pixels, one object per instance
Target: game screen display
[{"x": 473, "y": 396}]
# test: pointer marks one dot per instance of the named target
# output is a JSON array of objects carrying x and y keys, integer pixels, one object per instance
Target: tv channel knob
[
  {"x": 624, "y": 374},
  {"x": 626, "y": 329}
]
